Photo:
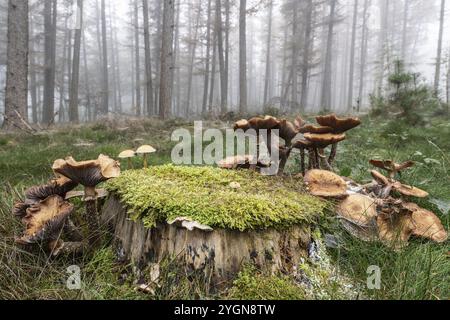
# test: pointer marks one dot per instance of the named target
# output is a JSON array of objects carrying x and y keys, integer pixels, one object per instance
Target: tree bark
[
  {"x": 220, "y": 53},
  {"x": 207, "y": 60},
  {"x": 362, "y": 67},
  {"x": 437, "y": 76},
  {"x": 105, "y": 93},
  {"x": 50, "y": 13},
  {"x": 268, "y": 54},
  {"x": 137, "y": 59},
  {"x": 306, "y": 54},
  {"x": 192, "y": 61},
  {"x": 243, "y": 56},
  {"x": 148, "y": 64},
  {"x": 16, "y": 93},
  {"x": 74, "y": 85},
  {"x": 352, "y": 57},
  {"x": 166, "y": 59},
  {"x": 326, "y": 84}
]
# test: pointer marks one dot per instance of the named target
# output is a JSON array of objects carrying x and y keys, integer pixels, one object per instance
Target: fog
[{"x": 305, "y": 70}]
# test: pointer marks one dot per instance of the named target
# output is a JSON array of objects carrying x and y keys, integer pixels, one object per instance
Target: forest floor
[{"x": 420, "y": 271}]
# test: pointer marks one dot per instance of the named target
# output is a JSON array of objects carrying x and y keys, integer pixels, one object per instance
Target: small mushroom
[
  {"x": 389, "y": 185},
  {"x": 325, "y": 184},
  {"x": 391, "y": 167},
  {"x": 45, "y": 220},
  {"x": 89, "y": 174},
  {"x": 129, "y": 155},
  {"x": 145, "y": 150}
]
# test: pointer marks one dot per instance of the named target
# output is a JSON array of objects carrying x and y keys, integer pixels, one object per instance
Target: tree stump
[{"x": 218, "y": 253}]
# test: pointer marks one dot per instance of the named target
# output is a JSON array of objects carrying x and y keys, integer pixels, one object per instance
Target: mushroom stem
[
  {"x": 316, "y": 159},
  {"x": 130, "y": 164},
  {"x": 333, "y": 153},
  {"x": 324, "y": 161},
  {"x": 302, "y": 160},
  {"x": 90, "y": 197},
  {"x": 311, "y": 164},
  {"x": 145, "y": 161}
]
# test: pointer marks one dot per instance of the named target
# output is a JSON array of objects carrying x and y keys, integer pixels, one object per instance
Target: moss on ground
[{"x": 204, "y": 194}]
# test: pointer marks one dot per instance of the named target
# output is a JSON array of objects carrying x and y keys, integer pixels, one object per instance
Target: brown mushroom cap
[
  {"x": 324, "y": 140},
  {"x": 267, "y": 123},
  {"x": 409, "y": 190},
  {"x": 302, "y": 144},
  {"x": 395, "y": 230},
  {"x": 398, "y": 186},
  {"x": 339, "y": 125},
  {"x": 88, "y": 173},
  {"x": 241, "y": 125},
  {"x": 310, "y": 128},
  {"x": 426, "y": 224},
  {"x": 358, "y": 209},
  {"x": 391, "y": 166},
  {"x": 326, "y": 184},
  {"x": 287, "y": 131},
  {"x": 45, "y": 220},
  {"x": 59, "y": 186}
]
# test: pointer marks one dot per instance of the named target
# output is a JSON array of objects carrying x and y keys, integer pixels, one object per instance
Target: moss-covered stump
[{"x": 212, "y": 220}]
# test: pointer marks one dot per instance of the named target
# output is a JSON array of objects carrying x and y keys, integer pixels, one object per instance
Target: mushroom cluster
[
  {"x": 45, "y": 211},
  {"x": 144, "y": 150},
  {"x": 316, "y": 138},
  {"x": 382, "y": 210}
]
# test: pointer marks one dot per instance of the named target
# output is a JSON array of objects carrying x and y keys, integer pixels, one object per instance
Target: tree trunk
[
  {"x": 326, "y": 85},
  {"x": 437, "y": 77},
  {"x": 352, "y": 58},
  {"x": 268, "y": 55},
  {"x": 33, "y": 76},
  {"x": 227, "y": 49},
  {"x": 306, "y": 55},
  {"x": 220, "y": 53},
  {"x": 213, "y": 73},
  {"x": 137, "y": 59},
  {"x": 166, "y": 59},
  {"x": 362, "y": 67},
  {"x": 148, "y": 64},
  {"x": 74, "y": 85},
  {"x": 50, "y": 14},
  {"x": 294, "y": 57},
  {"x": 243, "y": 57},
  {"x": 192, "y": 61},
  {"x": 89, "y": 110},
  {"x": 105, "y": 93},
  {"x": 207, "y": 60},
  {"x": 16, "y": 94}
]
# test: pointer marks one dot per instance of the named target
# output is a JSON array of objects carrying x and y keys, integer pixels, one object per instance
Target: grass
[
  {"x": 203, "y": 194},
  {"x": 421, "y": 271}
]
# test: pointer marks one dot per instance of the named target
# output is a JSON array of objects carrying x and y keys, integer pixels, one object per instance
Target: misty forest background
[{"x": 192, "y": 58}]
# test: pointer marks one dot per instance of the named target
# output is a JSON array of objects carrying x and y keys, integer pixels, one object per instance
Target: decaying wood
[{"x": 219, "y": 253}]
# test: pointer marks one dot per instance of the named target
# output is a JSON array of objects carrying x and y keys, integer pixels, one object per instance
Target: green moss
[
  {"x": 253, "y": 285},
  {"x": 164, "y": 193}
]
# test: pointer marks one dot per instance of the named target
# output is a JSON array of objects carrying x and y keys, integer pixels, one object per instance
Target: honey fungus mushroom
[
  {"x": 325, "y": 184},
  {"x": 389, "y": 185},
  {"x": 339, "y": 126},
  {"x": 392, "y": 167},
  {"x": 89, "y": 174},
  {"x": 45, "y": 220},
  {"x": 319, "y": 142},
  {"x": 358, "y": 214}
]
